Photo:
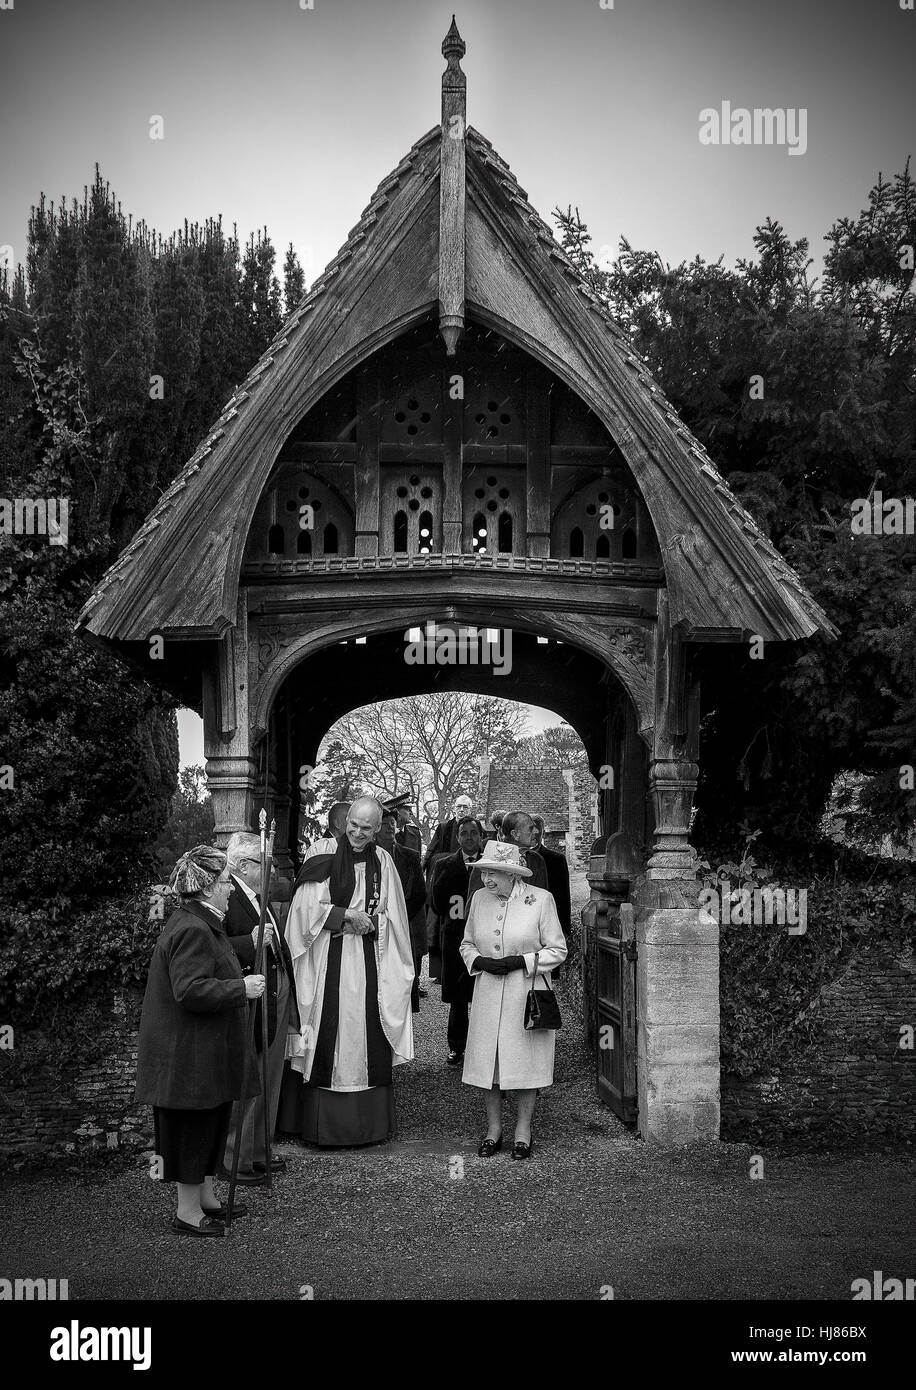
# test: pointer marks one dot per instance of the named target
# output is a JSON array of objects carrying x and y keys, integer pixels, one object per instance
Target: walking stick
[
  {"x": 252, "y": 1014},
  {"x": 267, "y": 855}
]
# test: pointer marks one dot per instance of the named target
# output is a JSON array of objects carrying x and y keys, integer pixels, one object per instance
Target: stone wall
[
  {"x": 75, "y": 1107},
  {"x": 849, "y": 1081},
  {"x": 583, "y": 822}
]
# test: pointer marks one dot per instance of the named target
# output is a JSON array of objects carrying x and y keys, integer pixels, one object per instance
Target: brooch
[{"x": 529, "y": 899}]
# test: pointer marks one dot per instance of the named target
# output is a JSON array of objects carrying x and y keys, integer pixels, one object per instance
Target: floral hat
[{"x": 500, "y": 854}]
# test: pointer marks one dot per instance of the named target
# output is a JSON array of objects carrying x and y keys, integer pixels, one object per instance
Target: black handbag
[{"x": 541, "y": 1007}]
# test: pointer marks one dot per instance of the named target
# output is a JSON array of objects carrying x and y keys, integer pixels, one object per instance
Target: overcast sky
[
  {"x": 278, "y": 116},
  {"x": 285, "y": 117}
]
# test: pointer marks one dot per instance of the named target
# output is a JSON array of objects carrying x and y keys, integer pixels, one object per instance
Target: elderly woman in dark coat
[{"x": 193, "y": 1054}]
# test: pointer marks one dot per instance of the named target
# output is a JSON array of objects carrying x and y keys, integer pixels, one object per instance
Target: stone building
[{"x": 566, "y": 797}]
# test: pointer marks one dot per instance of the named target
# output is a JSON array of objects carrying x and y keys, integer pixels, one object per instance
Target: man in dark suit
[
  {"x": 410, "y": 872},
  {"x": 241, "y": 924},
  {"x": 450, "y": 898},
  {"x": 445, "y": 839},
  {"x": 518, "y": 829},
  {"x": 408, "y": 831},
  {"x": 557, "y": 879}
]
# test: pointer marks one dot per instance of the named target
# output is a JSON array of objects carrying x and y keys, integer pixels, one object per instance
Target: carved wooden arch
[
  {"x": 279, "y": 428},
  {"x": 625, "y": 649},
  {"x": 282, "y": 423},
  {"x": 307, "y": 476}
]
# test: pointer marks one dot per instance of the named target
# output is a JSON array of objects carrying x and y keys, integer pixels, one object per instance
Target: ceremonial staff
[{"x": 267, "y": 851}]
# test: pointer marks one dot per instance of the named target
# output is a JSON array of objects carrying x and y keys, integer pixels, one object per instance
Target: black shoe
[
  {"x": 488, "y": 1147},
  {"x": 252, "y": 1179},
  {"x": 221, "y": 1212},
  {"x": 454, "y": 1058},
  {"x": 207, "y": 1227},
  {"x": 521, "y": 1149},
  {"x": 277, "y": 1165}
]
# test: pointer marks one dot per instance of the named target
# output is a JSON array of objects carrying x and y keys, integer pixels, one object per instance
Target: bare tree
[
  {"x": 557, "y": 747},
  {"x": 428, "y": 746}
]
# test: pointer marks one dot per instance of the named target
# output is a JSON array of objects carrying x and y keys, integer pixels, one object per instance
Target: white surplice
[{"x": 309, "y": 945}]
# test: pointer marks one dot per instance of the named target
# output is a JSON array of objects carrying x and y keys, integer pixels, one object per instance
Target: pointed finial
[
  {"x": 452, "y": 192},
  {"x": 454, "y": 82},
  {"x": 453, "y": 43}
]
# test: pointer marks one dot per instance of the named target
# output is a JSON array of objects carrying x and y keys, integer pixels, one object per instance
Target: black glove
[
  {"x": 513, "y": 963},
  {"x": 488, "y": 965}
]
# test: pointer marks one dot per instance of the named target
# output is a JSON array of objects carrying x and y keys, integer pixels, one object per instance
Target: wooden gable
[{"x": 450, "y": 230}]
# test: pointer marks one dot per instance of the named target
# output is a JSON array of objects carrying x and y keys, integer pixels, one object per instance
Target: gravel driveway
[{"x": 423, "y": 1217}]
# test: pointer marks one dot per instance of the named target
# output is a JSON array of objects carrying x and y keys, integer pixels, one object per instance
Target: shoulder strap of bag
[{"x": 534, "y": 978}]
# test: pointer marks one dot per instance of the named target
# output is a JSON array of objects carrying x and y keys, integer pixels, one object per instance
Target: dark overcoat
[
  {"x": 193, "y": 1051},
  {"x": 241, "y": 919},
  {"x": 410, "y": 872},
  {"x": 449, "y": 885},
  {"x": 558, "y": 885},
  {"x": 444, "y": 841}
]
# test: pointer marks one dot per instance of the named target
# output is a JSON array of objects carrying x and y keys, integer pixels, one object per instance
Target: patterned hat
[
  {"x": 500, "y": 854},
  {"x": 197, "y": 871}
]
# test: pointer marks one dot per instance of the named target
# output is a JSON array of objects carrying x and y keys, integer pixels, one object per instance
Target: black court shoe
[
  {"x": 251, "y": 1179},
  {"x": 454, "y": 1058},
  {"x": 277, "y": 1165},
  {"x": 488, "y": 1147},
  {"x": 521, "y": 1149},
  {"x": 207, "y": 1227},
  {"x": 221, "y": 1212}
]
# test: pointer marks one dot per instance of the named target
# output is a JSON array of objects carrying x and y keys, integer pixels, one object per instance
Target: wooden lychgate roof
[{"x": 449, "y": 231}]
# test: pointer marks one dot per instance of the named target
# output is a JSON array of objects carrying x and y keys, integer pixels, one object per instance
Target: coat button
[{"x": 497, "y": 931}]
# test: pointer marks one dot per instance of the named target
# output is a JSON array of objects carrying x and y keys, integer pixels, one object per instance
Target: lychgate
[{"x": 449, "y": 428}]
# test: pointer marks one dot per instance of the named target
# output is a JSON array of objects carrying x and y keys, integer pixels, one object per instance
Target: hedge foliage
[{"x": 769, "y": 979}]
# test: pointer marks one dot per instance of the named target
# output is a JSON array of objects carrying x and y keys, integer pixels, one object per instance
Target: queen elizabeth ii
[{"x": 511, "y": 929}]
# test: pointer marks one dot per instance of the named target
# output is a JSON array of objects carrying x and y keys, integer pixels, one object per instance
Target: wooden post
[
  {"x": 366, "y": 474},
  {"x": 452, "y": 468},
  {"x": 538, "y": 462},
  {"x": 231, "y": 768},
  {"x": 452, "y": 195},
  {"x": 677, "y": 977}
]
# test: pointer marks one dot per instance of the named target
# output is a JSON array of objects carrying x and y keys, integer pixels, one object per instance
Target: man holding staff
[{"x": 242, "y": 918}]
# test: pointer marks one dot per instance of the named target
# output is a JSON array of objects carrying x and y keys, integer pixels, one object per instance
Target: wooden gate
[{"x": 610, "y": 998}]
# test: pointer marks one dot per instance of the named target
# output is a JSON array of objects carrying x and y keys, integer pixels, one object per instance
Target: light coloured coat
[{"x": 520, "y": 925}]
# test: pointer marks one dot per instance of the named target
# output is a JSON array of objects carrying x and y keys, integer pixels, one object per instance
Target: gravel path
[{"x": 423, "y": 1217}]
